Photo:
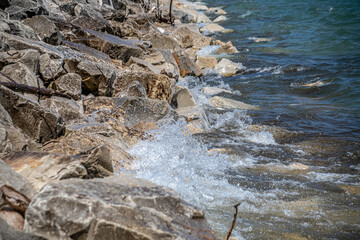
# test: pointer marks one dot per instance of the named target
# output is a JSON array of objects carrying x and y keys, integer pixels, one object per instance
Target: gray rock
[
  {"x": 20, "y": 73},
  {"x": 45, "y": 29},
  {"x": 9, "y": 233},
  {"x": 28, "y": 57},
  {"x": 50, "y": 68},
  {"x": 69, "y": 84},
  {"x": 134, "y": 89},
  {"x": 19, "y": 9},
  {"x": 183, "y": 98},
  {"x": 36, "y": 121},
  {"x": 9, "y": 177},
  {"x": 187, "y": 38},
  {"x": 69, "y": 110},
  {"x": 118, "y": 207},
  {"x": 17, "y": 28}
]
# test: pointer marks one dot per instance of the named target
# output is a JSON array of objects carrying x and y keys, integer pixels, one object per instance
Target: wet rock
[
  {"x": 262, "y": 39},
  {"x": 186, "y": 65},
  {"x": 214, "y": 90},
  {"x": 220, "y": 19},
  {"x": 216, "y": 10},
  {"x": 45, "y": 29},
  {"x": 113, "y": 46},
  {"x": 50, "y": 68},
  {"x": 12, "y": 217},
  {"x": 20, "y": 73},
  {"x": 36, "y": 121},
  {"x": 183, "y": 98},
  {"x": 206, "y": 62},
  {"x": 227, "y": 48},
  {"x": 157, "y": 86},
  {"x": 125, "y": 208},
  {"x": 97, "y": 78},
  {"x": 17, "y": 28},
  {"x": 9, "y": 233},
  {"x": 29, "y": 57},
  {"x": 226, "y": 103},
  {"x": 69, "y": 84},
  {"x": 187, "y": 38},
  {"x": 228, "y": 68},
  {"x": 212, "y": 28},
  {"x": 69, "y": 110}
]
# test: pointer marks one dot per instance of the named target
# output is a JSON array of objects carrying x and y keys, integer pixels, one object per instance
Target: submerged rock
[
  {"x": 119, "y": 207},
  {"x": 227, "y": 103},
  {"x": 212, "y": 28}
]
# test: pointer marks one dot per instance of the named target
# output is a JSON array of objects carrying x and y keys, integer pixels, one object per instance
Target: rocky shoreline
[{"x": 83, "y": 81}]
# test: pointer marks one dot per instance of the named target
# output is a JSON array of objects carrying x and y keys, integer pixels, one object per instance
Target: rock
[
  {"x": 119, "y": 207},
  {"x": 195, "y": 117},
  {"x": 227, "y": 31},
  {"x": 157, "y": 86},
  {"x": 192, "y": 53},
  {"x": 69, "y": 84},
  {"x": 146, "y": 110},
  {"x": 212, "y": 28},
  {"x": 28, "y": 57},
  {"x": 128, "y": 28},
  {"x": 298, "y": 166},
  {"x": 50, "y": 68},
  {"x": 9, "y": 177},
  {"x": 183, "y": 98},
  {"x": 161, "y": 41},
  {"x": 37, "y": 122},
  {"x": 192, "y": 15},
  {"x": 227, "y": 48},
  {"x": 216, "y": 10},
  {"x": 19, "y": 10},
  {"x": 142, "y": 63},
  {"x": 206, "y": 62},
  {"x": 226, "y": 103},
  {"x": 220, "y": 19},
  {"x": 170, "y": 64},
  {"x": 97, "y": 78},
  {"x": 200, "y": 7},
  {"x": 95, "y": 24},
  {"x": 214, "y": 90},
  {"x": 113, "y": 46},
  {"x": 228, "y": 68},
  {"x": 134, "y": 89},
  {"x": 202, "y": 18},
  {"x": 187, "y": 38},
  {"x": 20, "y": 73},
  {"x": 12, "y": 217},
  {"x": 262, "y": 39},
  {"x": 186, "y": 65},
  {"x": 69, "y": 110},
  {"x": 45, "y": 29},
  {"x": 9, "y": 233},
  {"x": 17, "y": 28}
]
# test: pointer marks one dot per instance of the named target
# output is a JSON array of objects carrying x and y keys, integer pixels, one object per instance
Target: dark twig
[
  {"x": 29, "y": 89},
  {"x": 233, "y": 223},
  {"x": 170, "y": 10}
]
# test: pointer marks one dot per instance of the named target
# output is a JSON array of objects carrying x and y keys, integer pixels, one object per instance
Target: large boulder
[
  {"x": 28, "y": 57},
  {"x": 186, "y": 65},
  {"x": 20, "y": 73},
  {"x": 17, "y": 28},
  {"x": 44, "y": 28},
  {"x": 69, "y": 84},
  {"x": 183, "y": 98},
  {"x": 228, "y": 68},
  {"x": 50, "y": 68},
  {"x": 187, "y": 38},
  {"x": 19, "y": 9},
  {"x": 118, "y": 207},
  {"x": 36, "y": 121},
  {"x": 212, "y": 28}
]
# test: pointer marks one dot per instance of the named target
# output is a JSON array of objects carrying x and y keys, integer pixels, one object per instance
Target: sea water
[{"x": 294, "y": 165}]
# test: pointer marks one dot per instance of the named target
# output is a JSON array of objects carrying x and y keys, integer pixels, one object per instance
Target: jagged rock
[
  {"x": 97, "y": 78},
  {"x": 113, "y": 46},
  {"x": 157, "y": 86},
  {"x": 228, "y": 68},
  {"x": 92, "y": 23},
  {"x": 192, "y": 53},
  {"x": 142, "y": 63},
  {"x": 212, "y": 28},
  {"x": 183, "y": 98},
  {"x": 206, "y": 62},
  {"x": 146, "y": 110},
  {"x": 161, "y": 41},
  {"x": 128, "y": 28},
  {"x": 118, "y": 207},
  {"x": 186, "y": 65},
  {"x": 69, "y": 84},
  {"x": 37, "y": 122},
  {"x": 17, "y": 28},
  {"x": 50, "y": 68},
  {"x": 227, "y": 103},
  {"x": 220, "y": 19},
  {"x": 69, "y": 110},
  {"x": 227, "y": 48},
  {"x": 28, "y": 57},
  {"x": 45, "y": 29},
  {"x": 9, "y": 233},
  {"x": 192, "y": 15},
  {"x": 171, "y": 64},
  {"x": 19, "y": 10},
  {"x": 187, "y": 38},
  {"x": 214, "y": 90},
  {"x": 20, "y": 73},
  {"x": 202, "y": 18}
]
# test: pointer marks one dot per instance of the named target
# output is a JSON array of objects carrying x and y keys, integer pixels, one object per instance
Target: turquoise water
[{"x": 308, "y": 75}]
